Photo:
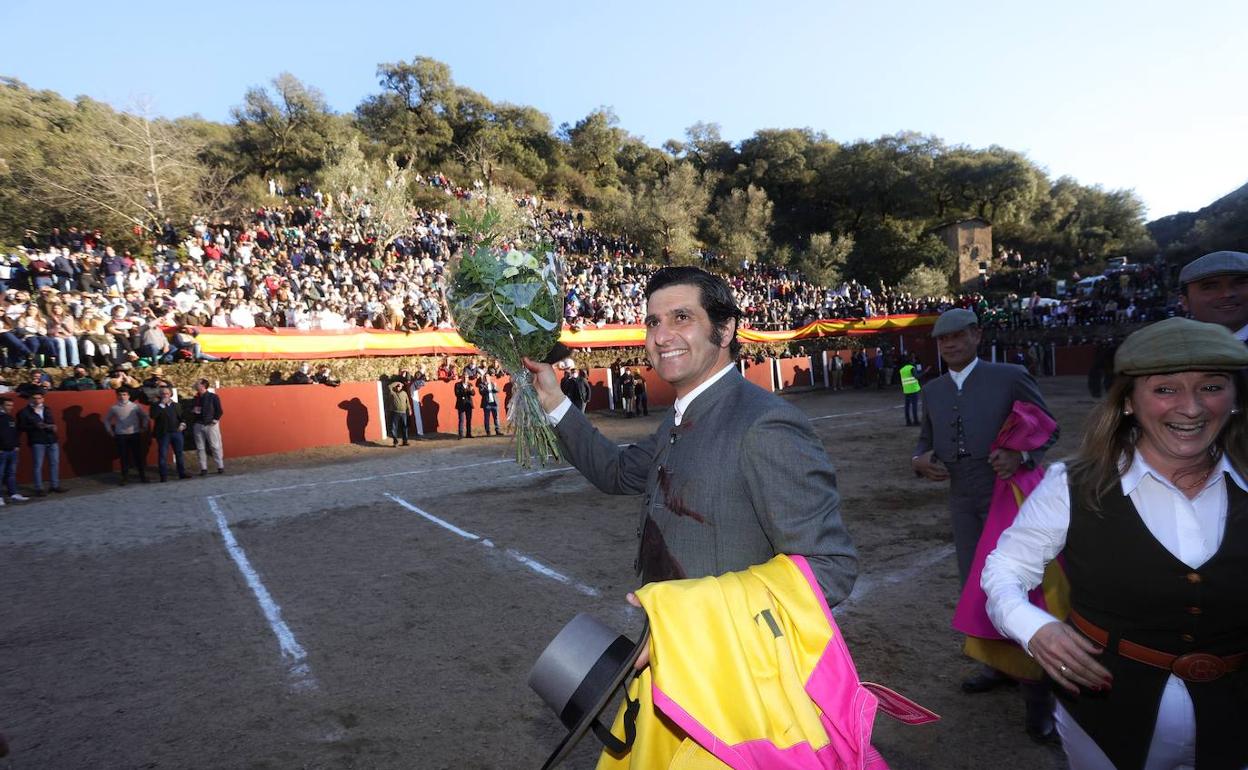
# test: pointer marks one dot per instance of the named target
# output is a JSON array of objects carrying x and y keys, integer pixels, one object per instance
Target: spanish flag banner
[{"x": 282, "y": 343}]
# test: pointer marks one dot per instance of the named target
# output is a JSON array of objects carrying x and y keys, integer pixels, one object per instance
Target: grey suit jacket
[
  {"x": 743, "y": 478},
  {"x": 986, "y": 398}
]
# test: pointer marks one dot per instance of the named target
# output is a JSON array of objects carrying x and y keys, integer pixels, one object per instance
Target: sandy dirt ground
[{"x": 400, "y": 610}]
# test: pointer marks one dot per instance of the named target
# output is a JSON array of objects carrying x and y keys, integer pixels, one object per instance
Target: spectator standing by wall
[
  {"x": 628, "y": 392},
  {"x": 572, "y": 389},
  {"x": 126, "y": 422},
  {"x": 489, "y": 401},
  {"x": 37, "y": 423},
  {"x": 9, "y": 436},
  {"x": 463, "y": 405},
  {"x": 910, "y": 388},
  {"x": 206, "y": 413},
  {"x": 397, "y": 406},
  {"x": 641, "y": 403},
  {"x": 167, "y": 427},
  {"x": 836, "y": 367}
]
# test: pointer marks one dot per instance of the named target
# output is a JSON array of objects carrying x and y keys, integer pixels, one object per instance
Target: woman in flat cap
[{"x": 1151, "y": 519}]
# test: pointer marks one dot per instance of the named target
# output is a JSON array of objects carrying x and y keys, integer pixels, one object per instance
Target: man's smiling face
[
  {"x": 1219, "y": 299},
  {"x": 678, "y": 338}
]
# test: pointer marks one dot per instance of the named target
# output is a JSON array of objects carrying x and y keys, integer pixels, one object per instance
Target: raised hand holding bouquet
[{"x": 509, "y": 303}]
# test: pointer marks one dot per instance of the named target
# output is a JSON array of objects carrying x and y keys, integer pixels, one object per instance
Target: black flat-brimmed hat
[{"x": 578, "y": 674}]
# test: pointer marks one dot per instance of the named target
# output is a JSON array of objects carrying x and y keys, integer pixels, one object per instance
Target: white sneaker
[
  {"x": 19, "y": 498},
  {"x": 1, "y": 502}
]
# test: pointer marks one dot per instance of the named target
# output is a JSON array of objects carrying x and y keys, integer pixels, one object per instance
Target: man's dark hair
[{"x": 715, "y": 295}]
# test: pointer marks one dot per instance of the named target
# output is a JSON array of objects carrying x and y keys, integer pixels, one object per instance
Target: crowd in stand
[{"x": 74, "y": 300}]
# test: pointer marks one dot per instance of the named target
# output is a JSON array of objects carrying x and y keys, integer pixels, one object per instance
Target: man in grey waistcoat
[
  {"x": 963, "y": 411},
  {"x": 735, "y": 474}
]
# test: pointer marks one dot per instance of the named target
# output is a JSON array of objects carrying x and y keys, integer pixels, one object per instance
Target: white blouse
[{"x": 1191, "y": 529}]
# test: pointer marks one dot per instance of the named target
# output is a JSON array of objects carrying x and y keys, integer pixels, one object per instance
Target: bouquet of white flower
[{"x": 510, "y": 305}]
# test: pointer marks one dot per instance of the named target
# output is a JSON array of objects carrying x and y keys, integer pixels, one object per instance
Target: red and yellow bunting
[{"x": 354, "y": 343}]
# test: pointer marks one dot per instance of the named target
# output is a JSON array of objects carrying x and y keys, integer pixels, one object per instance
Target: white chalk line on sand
[
  {"x": 527, "y": 561},
  {"x": 854, "y": 414},
  {"x": 292, "y": 651},
  {"x": 866, "y": 584},
  {"x": 373, "y": 477}
]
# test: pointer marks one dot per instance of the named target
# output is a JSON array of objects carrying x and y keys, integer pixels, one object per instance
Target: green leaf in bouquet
[{"x": 519, "y": 294}]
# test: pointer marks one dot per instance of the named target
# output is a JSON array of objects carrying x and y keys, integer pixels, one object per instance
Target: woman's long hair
[{"x": 1109, "y": 438}]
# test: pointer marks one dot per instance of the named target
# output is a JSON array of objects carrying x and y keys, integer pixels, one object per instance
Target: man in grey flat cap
[
  {"x": 963, "y": 411},
  {"x": 1215, "y": 290}
]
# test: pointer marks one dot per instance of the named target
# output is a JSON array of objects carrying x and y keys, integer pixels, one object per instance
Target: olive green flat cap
[
  {"x": 1215, "y": 263},
  {"x": 954, "y": 320},
  {"x": 1180, "y": 345}
]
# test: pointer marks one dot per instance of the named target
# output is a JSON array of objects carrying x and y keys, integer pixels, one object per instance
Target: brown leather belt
[{"x": 1192, "y": 667}]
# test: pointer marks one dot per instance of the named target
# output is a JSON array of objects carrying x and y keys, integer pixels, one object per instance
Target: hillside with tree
[{"x": 789, "y": 196}]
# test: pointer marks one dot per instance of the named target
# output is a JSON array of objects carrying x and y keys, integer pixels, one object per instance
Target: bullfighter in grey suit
[
  {"x": 735, "y": 475},
  {"x": 963, "y": 411}
]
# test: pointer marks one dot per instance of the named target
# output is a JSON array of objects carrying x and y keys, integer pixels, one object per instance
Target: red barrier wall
[
  {"x": 266, "y": 419},
  {"x": 759, "y": 374},
  {"x": 437, "y": 406},
  {"x": 658, "y": 392},
  {"x": 796, "y": 373},
  {"x": 258, "y": 420},
  {"x": 1075, "y": 359},
  {"x": 600, "y": 390}
]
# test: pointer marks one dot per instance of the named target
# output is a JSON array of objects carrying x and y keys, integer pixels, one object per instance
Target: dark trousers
[
  {"x": 396, "y": 426},
  {"x": 970, "y": 494},
  {"x": 641, "y": 405},
  {"x": 130, "y": 450},
  {"x": 465, "y": 422},
  {"x": 8, "y": 471},
  {"x": 491, "y": 413},
  {"x": 912, "y": 409},
  {"x": 163, "y": 444}
]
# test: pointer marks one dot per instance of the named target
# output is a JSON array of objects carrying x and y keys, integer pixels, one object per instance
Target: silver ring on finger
[{"x": 1063, "y": 669}]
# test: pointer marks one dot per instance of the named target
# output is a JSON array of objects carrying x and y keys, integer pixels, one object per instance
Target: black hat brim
[{"x": 587, "y": 720}]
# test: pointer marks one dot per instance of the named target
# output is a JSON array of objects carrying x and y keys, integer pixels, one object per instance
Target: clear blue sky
[{"x": 1134, "y": 94}]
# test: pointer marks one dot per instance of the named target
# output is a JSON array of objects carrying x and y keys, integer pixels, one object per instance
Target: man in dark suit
[
  {"x": 571, "y": 388},
  {"x": 963, "y": 411},
  {"x": 206, "y": 414},
  {"x": 735, "y": 474},
  {"x": 463, "y": 404},
  {"x": 1215, "y": 290},
  {"x": 167, "y": 427}
]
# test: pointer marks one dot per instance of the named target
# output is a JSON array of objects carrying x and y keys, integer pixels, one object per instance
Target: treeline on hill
[
  {"x": 791, "y": 196},
  {"x": 1222, "y": 224}
]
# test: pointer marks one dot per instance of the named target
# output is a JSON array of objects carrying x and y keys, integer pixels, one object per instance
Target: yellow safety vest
[{"x": 909, "y": 383}]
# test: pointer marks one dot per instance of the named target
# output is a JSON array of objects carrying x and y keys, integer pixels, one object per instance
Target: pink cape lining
[{"x": 1027, "y": 428}]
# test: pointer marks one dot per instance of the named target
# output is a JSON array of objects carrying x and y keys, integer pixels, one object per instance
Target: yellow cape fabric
[{"x": 734, "y": 652}]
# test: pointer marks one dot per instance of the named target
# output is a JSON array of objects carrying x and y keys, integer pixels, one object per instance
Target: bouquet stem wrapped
[{"x": 510, "y": 305}]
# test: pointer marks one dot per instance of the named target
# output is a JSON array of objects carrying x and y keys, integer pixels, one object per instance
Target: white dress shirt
[
  {"x": 682, "y": 403},
  {"x": 1190, "y": 528},
  {"x": 960, "y": 377}
]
